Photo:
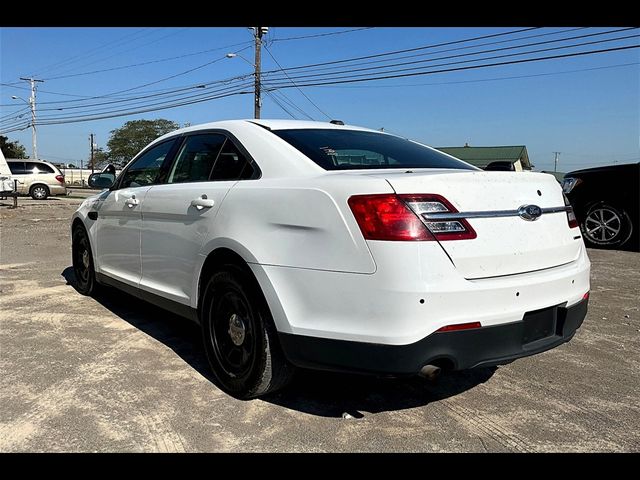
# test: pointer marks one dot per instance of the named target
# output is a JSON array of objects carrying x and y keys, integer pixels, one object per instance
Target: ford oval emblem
[{"x": 529, "y": 212}]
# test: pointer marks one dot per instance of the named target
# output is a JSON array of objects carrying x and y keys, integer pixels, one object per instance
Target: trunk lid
[{"x": 504, "y": 245}]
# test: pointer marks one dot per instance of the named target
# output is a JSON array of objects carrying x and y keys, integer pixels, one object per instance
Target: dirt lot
[{"x": 117, "y": 374}]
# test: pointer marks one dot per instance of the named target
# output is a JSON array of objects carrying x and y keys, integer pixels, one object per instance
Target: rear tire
[
  {"x": 239, "y": 336},
  {"x": 39, "y": 192},
  {"x": 82, "y": 258},
  {"x": 605, "y": 225}
]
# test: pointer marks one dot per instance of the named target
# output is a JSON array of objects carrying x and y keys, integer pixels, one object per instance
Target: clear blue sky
[{"x": 588, "y": 113}]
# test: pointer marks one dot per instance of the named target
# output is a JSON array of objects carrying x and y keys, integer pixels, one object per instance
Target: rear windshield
[{"x": 353, "y": 149}]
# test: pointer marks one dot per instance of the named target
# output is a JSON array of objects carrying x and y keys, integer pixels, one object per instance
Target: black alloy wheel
[
  {"x": 83, "y": 261},
  {"x": 606, "y": 226}
]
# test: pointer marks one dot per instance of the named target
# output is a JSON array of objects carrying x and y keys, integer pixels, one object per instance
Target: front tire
[
  {"x": 39, "y": 192},
  {"x": 83, "y": 261},
  {"x": 605, "y": 225},
  {"x": 239, "y": 336}
]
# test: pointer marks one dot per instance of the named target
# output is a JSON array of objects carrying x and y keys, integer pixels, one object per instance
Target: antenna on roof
[{"x": 337, "y": 122}]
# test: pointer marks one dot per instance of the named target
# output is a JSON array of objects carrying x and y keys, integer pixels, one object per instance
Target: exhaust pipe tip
[{"x": 430, "y": 372}]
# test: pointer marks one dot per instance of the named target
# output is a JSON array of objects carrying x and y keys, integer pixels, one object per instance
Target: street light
[{"x": 233, "y": 55}]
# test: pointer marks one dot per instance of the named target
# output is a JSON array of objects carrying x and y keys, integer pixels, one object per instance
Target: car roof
[
  {"x": 269, "y": 124},
  {"x": 606, "y": 168},
  {"x": 304, "y": 124},
  {"x": 27, "y": 160}
]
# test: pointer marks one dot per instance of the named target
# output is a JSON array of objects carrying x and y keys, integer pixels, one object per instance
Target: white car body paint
[{"x": 320, "y": 277}]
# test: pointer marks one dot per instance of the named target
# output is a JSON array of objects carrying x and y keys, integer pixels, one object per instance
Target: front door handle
[
  {"x": 202, "y": 202},
  {"x": 132, "y": 202}
]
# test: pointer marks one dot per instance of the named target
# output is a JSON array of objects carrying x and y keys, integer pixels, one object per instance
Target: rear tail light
[
  {"x": 585, "y": 296},
  {"x": 401, "y": 217},
  {"x": 60, "y": 178},
  {"x": 386, "y": 217},
  {"x": 571, "y": 215},
  {"x": 459, "y": 326},
  {"x": 458, "y": 229},
  {"x": 569, "y": 183}
]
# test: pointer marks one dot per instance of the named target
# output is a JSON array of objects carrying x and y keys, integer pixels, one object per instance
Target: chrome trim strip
[{"x": 486, "y": 214}]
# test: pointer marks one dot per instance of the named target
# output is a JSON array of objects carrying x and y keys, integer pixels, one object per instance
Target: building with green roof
[{"x": 483, "y": 156}]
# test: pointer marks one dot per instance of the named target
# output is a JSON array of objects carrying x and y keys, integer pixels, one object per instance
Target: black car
[{"x": 605, "y": 200}]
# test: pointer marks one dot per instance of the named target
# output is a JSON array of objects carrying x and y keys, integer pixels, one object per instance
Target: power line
[
  {"x": 175, "y": 75},
  {"x": 404, "y": 85},
  {"x": 398, "y": 64},
  {"x": 469, "y": 67},
  {"x": 128, "y": 99},
  {"x": 144, "y": 102},
  {"x": 321, "y": 34},
  {"x": 282, "y": 107},
  {"x": 451, "y": 69},
  {"x": 72, "y": 59},
  {"x": 121, "y": 114},
  {"x": 422, "y": 54},
  {"x": 305, "y": 95},
  {"x": 237, "y": 88},
  {"x": 204, "y": 95},
  {"x": 351, "y": 71},
  {"x": 290, "y": 102},
  {"x": 391, "y": 76},
  {"x": 134, "y": 99},
  {"x": 114, "y": 94},
  {"x": 132, "y": 49},
  {"x": 22, "y": 110},
  {"x": 424, "y": 47},
  {"x": 183, "y": 96},
  {"x": 160, "y": 60}
]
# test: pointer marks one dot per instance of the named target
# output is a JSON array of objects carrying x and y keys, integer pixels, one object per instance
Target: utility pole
[
  {"x": 32, "y": 105},
  {"x": 555, "y": 162},
  {"x": 92, "y": 145},
  {"x": 258, "y": 32}
]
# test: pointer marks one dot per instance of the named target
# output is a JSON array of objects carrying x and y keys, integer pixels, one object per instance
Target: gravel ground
[{"x": 116, "y": 374}]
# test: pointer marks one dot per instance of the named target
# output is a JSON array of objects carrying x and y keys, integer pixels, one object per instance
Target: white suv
[
  {"x": 335, "y": 247},
  {"x": 37, "y": 178}
]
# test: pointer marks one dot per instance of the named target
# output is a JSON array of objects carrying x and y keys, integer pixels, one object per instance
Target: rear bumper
[
  {"x": 410, "y": 296},
  {"x": 480, "y": 347},
  {"x": 57, "y": 189}
]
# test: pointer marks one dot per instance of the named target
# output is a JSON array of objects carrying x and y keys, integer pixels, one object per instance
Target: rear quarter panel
[{"x": 301, "y": 223}]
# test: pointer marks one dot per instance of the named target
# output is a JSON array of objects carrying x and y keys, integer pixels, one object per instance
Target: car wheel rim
[
  {"x": 603, "y": 225},
  {"x": 39, "y": 192},
  {"x": 232, "y": 333},
  {"x": 81, "y": 262}
]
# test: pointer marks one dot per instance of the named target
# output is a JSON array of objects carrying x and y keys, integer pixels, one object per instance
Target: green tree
[
  {"x": 12, "y": 149},
  {"x": 125, "y": 142}
]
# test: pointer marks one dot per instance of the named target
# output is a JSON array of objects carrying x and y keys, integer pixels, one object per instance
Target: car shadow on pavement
[
  {"x": 329, "y": 394},
  {"x": 317, "y": 393}
]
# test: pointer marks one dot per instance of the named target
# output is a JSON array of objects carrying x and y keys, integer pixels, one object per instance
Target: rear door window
[
  {"x": 32, "y": 167},
  {"x": 39, "y": 167},
  {"x": 196, "y": 158}
]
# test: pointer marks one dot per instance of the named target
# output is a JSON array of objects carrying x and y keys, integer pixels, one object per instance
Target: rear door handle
[
  {"x": 132, "y": 202},
  {"x": 202, "y": 202}
]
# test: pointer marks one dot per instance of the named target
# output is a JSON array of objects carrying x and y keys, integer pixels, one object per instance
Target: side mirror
[{"x": 101, "y": 180}]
